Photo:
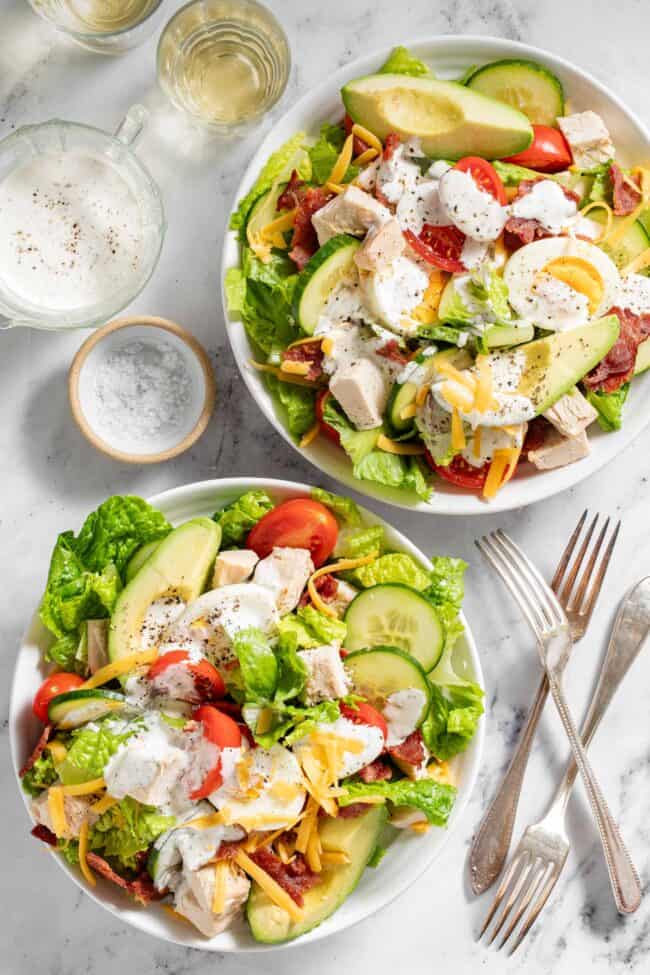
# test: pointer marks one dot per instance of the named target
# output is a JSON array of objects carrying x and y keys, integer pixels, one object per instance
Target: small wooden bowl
[{"x": 180, "y": 336}]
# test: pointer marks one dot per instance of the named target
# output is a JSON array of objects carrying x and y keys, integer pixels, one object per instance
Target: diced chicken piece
[
  {"x": 76, "y": 808},
  {"x": 558, "y": 451},
  {"x": 367, "y": 178},
  {"x": 344, "y": 595},
  {"x": 285, "y": 571},
  {"x": 362, "y": 390},
  {"x": 146, "y": 767},
  {"x": 352, "y": 212},
  {"x": 233, "y": 566},
  {"x": 384, "y": 242},
  {"x": 571, "y": 414},
  {"x": 194, "y": 899},
  {"x": 588, "y": 138},
  {"x": 327, "y": 678},
  {"x": 97, "y": 644}
]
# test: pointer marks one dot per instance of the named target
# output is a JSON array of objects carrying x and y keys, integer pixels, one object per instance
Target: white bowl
[
  {"x": 449, "y": 56},
  {"x": 408, "y": 857}
]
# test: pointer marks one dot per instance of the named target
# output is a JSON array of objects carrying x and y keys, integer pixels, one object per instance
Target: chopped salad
[
  {"x": 451, "y": 281},
  {"x": 245, "y": 709}
]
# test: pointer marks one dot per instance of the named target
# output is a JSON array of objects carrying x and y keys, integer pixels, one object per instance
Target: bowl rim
[
  {"x": 472, "y": 758},
  {"x": 447, "y": 501},
  {"x": 154, "y": 322}
]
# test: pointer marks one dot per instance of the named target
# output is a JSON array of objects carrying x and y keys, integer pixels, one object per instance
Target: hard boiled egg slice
[
  {"x": 392, "y": 293},
  {"x": 560, "y": 283},
  {"x": 345, "y": 745},
  {"x": 265, "y": 792}
]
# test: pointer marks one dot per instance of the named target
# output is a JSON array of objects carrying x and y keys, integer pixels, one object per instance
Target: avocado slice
[
  {"x": 358, "y": 838},
  {"x": 450, "y": 120},
  {"x": 554, "y": 364},
  {"x": 180, "y": 565},
  {"x": 642, "y": 357},
  {"x": 139, "y": 558}
]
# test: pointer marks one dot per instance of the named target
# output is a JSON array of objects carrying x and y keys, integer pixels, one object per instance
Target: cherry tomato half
[
  {"x": 549, "y": 151},
  {"x": 364, "y": 713},
  {"x": 460, "y": 473},
  {"x": 299, "y": 523},
  {"x": 52, "y": 687},
  {"x": 222, "y": 731},
  {"x": 326, "y": 429},
  {"x": 484, "y": 175},
  {"x": 207, "y": 679},
  {"x": 440, "y": 246}
]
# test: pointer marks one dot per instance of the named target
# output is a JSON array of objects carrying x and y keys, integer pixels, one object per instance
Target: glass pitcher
[{"x": 116, "y": 150}]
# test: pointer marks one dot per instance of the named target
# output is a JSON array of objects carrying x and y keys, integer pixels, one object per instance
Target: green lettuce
[
  {"x": 345, "y": 510},
  {"x": 238, "y": 517},
  {"x": 324, "y": 153},
  {"x": 401, "y": 61},
  {"x": 91, "y": 748},
  {"x": 488, "y": 300},
  {"x": 86, "y": 571},
  {"x": 440, "y": 333},
  {"x": 127, "y": 829},
  {"x": 609, "y": 406},
  {"x": 357, "y": 544},
  {"x": 452, "y": 719},
  {"x": 235, "y": 288},
  {"x": 41, "y": 775},
  {"x": 292, "y": 669},
  {"x": 258, "y": 664},
  {"x": 278, "y": 166},
  {"x": 298, "y": 403},
  {"x": 310, "y": 628},
  {"x": 396, "y": 567},
  {"x": 265, "y": 308},
  {"x": 511, "y": 174},
  {"x": 289, "y": 722},
  {"x": 447, "y": 581},
  {"x": 434, "y": 799}
]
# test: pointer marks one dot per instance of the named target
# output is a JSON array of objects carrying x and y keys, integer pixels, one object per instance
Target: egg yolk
[{"x": 580, "y": 275}]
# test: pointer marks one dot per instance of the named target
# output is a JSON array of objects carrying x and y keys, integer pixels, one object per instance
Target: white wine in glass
[{"x": 107, "y": 26}]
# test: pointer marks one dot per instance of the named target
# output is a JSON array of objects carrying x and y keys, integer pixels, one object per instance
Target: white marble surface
[{"x": 51, "y": 477}]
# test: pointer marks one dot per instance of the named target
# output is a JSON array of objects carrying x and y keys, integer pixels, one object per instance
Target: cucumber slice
[
  {"x": 401, "y": 396},
  {"x": 383, "y": 671},
  {"x": 332, "y": 262},
  {"x": 78, "y": 707},
  {"x": 358, "y": 838},
  {"x": 634, "y": 241},
  {"x": 395, "y": 615},
  {"x": 526, "y": 85}
]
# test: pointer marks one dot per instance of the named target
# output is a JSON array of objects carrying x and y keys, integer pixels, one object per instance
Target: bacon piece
[
  {"x": 38, "y": 750},
  {"x": 141, "y": 888},
  {"x": 326, "y": 586},
  {"x": 358, "y": 145},
  {"x": 411, "y": 749},
  {"x": 536, "y": 433},
  {"x": 618, "y": 365},
  {"x": 393, "y": 352},
  {"x": 353, "y": 810},
  {"x": 624, "y": 196},
  {"x": 44, "y": 834},
  {"x": 293, "y": 192},
  {"x": 310, "y": 352},
  {"x": 304, "y": 242},
  {"x": 295, "y": 877},
  {"x": 377, "y": 771},
  {"x": 227, "y": 851},
  {"x": 391, "y": 142},
  {"x": 522, "y": 230}
]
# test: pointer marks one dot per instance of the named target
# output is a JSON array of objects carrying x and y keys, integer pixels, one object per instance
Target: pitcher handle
[{"x": 131, "y": 126}]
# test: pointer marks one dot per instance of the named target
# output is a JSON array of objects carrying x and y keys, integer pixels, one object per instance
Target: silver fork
[
  {"x": 491, "y": 843},
  {"x": 548, "y": 837},
  {"x": 550, "y": 625}
]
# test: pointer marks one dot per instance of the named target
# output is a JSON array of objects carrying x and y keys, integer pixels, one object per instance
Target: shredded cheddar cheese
[
  {"x": 334, "y": 858},
  {"x": 457, "y": 432},
  {"x": 221, "y": 869},
  {"x": 84, "y": 788},
  {"x": 314, "y": 849},
  {"x": 335, "y": 188},
  {"x": 307, "y": 824},
  {"x": 483, "y": 396},
  {"x": 295, "y": 368},
  {"x": 270, "y": 887},
  {"x": 504, "y": 463},
  {"x": 422, "y": 394},
  {"x": 408, "y": 412},
  {"x": 119, "y": 667},
  {"x": 285, "y": 377},
  {"x": 283, "y": 851},
  {"x": 56, "y": 809},
  {"x": 476, "y": 443},
  {"x": 310, "y": 436},
  {"x": 340, "y": 167},
  {"x": 327, "y": 345},
  {"x": 57, "y": 750},
  {"x": 368, "y": 137},
  {"x": 637, "y": 263},
  {"x": 340, "y": 566},
  {"x": 104, "y": 804},
  {"x": 83, "y": 853},
  {"x": 609, "y": 218},
  {"x": 393, "y": 447},
  {"x": 420, "y": 827},
  {"x": 366, "y": 157},
  {"x": 280, "y": 225},
  {"x": 457, "y": 396},
  {"x": 205, "y": 822}
]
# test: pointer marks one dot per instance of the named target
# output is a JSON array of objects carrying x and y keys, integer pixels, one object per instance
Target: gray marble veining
[{"x": 51, "y": 477}]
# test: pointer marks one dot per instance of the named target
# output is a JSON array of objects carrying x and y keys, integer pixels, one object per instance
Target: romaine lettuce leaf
[
  {"x": 486, "y": 299},
  {"x": 401, "y": 61},
  {"x": 116, "y": 530},
  {"x": 357, "y": 544},
  {"x": 127, "y": 829},
  {"x": 344, "y": 509},
  {"x": 277, "y": 167},
  {"x": 258, "y": 664},
  {"x": 310, "y": 628},
  {"x": 447, "y": 581},
  {"x": 396, "y": 567},
  {"x": 91, "y": 748},
  {"x": 235, "y": 288},
  {"x": 41, "y": 775},
  {"x": 292, "y": 669},
  {"x": 609, "y": 406},
  {"x": 266, "y": 306},
  {"x": 298, "y": 402},
  {"x": 452, "y": 719},
  {"x": 324, "y": 153},
  {"x": 289, "y": 722},
  {"x": 434, "y": 799},
  {"x": 238, "y": 517}
]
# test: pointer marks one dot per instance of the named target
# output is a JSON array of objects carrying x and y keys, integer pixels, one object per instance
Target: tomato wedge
[
  {"x": 484, "y": 175},
  {"x": 51, "y": 687},
  {"x": 549, "y": 151},
  {"x": 299, "y": 523},
  {"x": 364, "y": 713},
  {"x": 460, "y": 473},
  {"x": 440, "y": 246},
  {"x": 327, "y": 430},
  {"x": 222, "y": 731},
  {"x": 208, "y": 682}
]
